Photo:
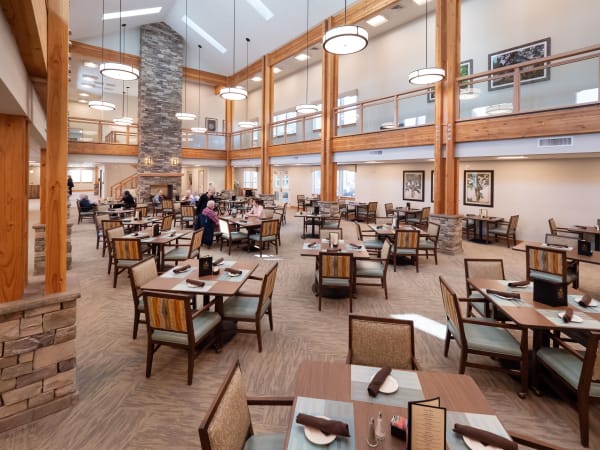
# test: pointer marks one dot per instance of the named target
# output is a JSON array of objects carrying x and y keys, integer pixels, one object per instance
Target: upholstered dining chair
[
  {"x": 406, "y": 243},
  {"x": 555, "y": 229},
  {"x": 170, "y": 321},
  {"x": 267, "y": 234},
  {"x": 381, "y": 342},
  {"x": 82, "y": 215},
  {"x": 419, "y": 218},
  {"x": 373, "y": 246},
  {"x": 140, "y": 274},
  {"x": 550, "y": 264},
  {"x": 484, "y": 337},
  {"x": 98, "y": 218},
  {"x": 578, "y": 371},
  {"x": 126, "y": 253},
  {"x": 490, "y": 269},
  {"x": 167, "y": 207},
  {"x": 167, "y": 222},
  {"x": 301, "y": 199},
  {"x": 183, "y": 252},
  {"x": 142, "y": 209},
  {"x": 111, "y": 233},
  {"x": 280, "y": 213},
  {"x": 324, "y": 232},
  {"x": 188, "y": 215},
  {"x": 228, "y": 423},
  {"x": 506, "y": 230},
  {"x": 374, "y": 268},
  {"x": 335, "y": 270},
  {"x": 429, "y": 242},
  {"x": 230, "y": 235},
  {"x": 246, "y": 307},
  {"x": 389, "y": 209}
]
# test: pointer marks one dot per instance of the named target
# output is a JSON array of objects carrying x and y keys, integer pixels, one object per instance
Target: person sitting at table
[
  {"x": 85, "y": 204},
  {"x": 257, "y": 209},
  {"x": 128, "y": 200},
  {"x": 209, "y": 221},
  {"x": 188, "y": 198},
  {"x": 158, "y": 198},
  {"x": 204, "y": 199}
]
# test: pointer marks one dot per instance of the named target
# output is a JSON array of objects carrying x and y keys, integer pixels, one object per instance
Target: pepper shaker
[{"x": 371, "y": 439}]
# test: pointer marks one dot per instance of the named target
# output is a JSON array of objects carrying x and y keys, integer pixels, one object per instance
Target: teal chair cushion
[
  {"x": 499, "y": 230},
  {"x": 373, "y": 244},
  {"x": 551, "y": 277},
  {"x": 240, "y": 307},
  {"x": 202, "y": 324},
  {"x": 127, "y": 262},
  {"x": 426, "y": 244},
  {"x": 236, "y": 235},
  {"x": 369, "y": 268},
  {"x": 405, "y": 251},
  {"x": 178, "y": 253},
  {"x": 478, "y": 302},
  {"x": 567, "y": 366},
  {"x": 491, "y": 339},
  {"x": 256, "y": 237},
  {"x": 265, "y": 442}
]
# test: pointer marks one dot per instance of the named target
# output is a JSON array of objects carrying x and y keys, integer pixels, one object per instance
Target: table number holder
[
  {"x": 205, "y": 266},
  {"x": 551, "y": 294}
]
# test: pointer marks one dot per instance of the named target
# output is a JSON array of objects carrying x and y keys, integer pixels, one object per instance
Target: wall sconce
[
  {"x": 175, "y": 161},
  {"x": 148, "y": 161}
]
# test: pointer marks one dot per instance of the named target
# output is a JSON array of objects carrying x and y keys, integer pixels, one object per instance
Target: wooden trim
[
  {"x": 199, "y": 153},
  {"x": 249, "y": 153},
  {"x": 213, "y": 79},
  {"x": 91, "y": 148},
  {"x": 160, "y": 174},
  {"x": 330, "y": 93},
  {"x": 416, "y": 136},
  {"x": 266, "y": 175},
  {"x": 95, "y": 53},
  {"x": 43, "y": 185},
  {"x": 297, "y": 148}
]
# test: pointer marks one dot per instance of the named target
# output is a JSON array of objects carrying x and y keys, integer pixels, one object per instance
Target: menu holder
[
  {"x": 551, "y": 294},
  {"x": 205, "y": 266},
  {"x": 334, "y": 239},
  {"x": 426, "y": 425}
]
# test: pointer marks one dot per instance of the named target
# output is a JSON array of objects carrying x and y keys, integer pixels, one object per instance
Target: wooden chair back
[
  {"x": 269, "y": 228},
  {"x": 188, "y": 211},
  {"x": 143, "y": 209},
  {"x": 407, "y": 239},
  {"x": 196, "y": 242},
  {"x": 167, "y": 204},
  {"x": 166, "y": 223},
  {"x": 425, "y": 214},
  {"x": 168, "y": 312},
  {"x": 336, "y": 265},
  {"x": 491, "y": 269},
  {"x": 127, "y": 249},
  {"x": 548, "y": 260},
  {"x": 389, "y": 209},
  {"x": 266, "y": 290},
  {"x": 324, "y": 232},
  {"x": 372, "y": 208},
  {"x": 512, "y": 224},
  {"x": 552, "y": 225},
  {"x": 453, "y": 315}
]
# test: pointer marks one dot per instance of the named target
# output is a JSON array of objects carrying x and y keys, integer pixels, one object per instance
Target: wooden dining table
[
  {"x": 479, "y": 221},
  {"x": 586, "y": 229},
  {"x": 339, "y": 391},
  {"x": 388, "y": 230},
  {"x": 159, "y": 242},
  {"x": 572, "y": 254}
]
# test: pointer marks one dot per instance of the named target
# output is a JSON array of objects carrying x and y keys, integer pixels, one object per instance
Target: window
[
  {"x": 82, "y": 175},
  {"x": 290, "y": 128},
  {"x": 348, "y": 117},
  {"x": 346, "y": 183},
  {"x": 316, "y": 182},
  {"x": 251, "y": 178}
]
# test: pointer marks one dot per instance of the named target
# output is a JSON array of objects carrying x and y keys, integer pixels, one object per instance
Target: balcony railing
[
  {"x": 101, "y": 132},
  {"x": 210, "y": 140},
  {"x": 299, "y": 129},
  {"x": 245, "y": 139}
]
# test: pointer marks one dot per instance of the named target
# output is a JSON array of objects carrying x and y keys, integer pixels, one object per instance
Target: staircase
[{"x": 126, "y": 184}]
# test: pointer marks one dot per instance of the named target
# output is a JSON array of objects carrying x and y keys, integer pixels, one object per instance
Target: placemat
[
  {"x": 183, "y": 286},
  {"x": 588, "y": 323},
  {"x": 484, "y": 421},
  {"x": 408, "y": 381}
]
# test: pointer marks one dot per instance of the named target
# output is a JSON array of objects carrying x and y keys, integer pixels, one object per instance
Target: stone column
[
  {"x": 450, "y": 240},
  {"x": 39, "y": 255},
  {"x": 160, "y": 89}
]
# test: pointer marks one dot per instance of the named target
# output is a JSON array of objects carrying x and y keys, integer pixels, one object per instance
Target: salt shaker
[
  {"x": 379, "y": 433},
  {"x": 371, "y": 439}
]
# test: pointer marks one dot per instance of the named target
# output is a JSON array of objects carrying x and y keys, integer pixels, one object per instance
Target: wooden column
[
  {"x": 42, "y": 185},
  {"x": 56, "y": 162},
  {"x": 330, "y": 94},
  {"x": 228, "y": 144},
  {"x": 266, "y": 174},
  {"x": 14, "y": 157}
]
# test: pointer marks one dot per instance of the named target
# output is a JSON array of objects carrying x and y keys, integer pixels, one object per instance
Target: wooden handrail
[{"x": 116, "y": 190}]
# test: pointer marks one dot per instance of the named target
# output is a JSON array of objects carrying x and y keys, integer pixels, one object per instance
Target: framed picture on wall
[
  {"x": 211, "y": 124},
  {"x": 465, "y": 68},
  {"x": 432, "y": 186},
  {"x": 478, "y": 188},
  {"x": 413, "y": 185},
  {"x": 516, "y": 55}
]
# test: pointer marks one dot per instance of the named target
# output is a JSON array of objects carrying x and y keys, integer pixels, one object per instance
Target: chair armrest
[
  {"x": 206, "y": 307},
  {"x": 566, "y": 346},
  {"x": 252, "y": 277},
  {"x": 273, "y": 401},
  {"x": 520, "y": 438}
]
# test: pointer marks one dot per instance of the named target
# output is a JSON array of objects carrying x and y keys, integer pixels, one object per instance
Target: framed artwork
[
  {"x": 516, "y": 55},
  {"x": 211, "y": 124},
  {"x": 465, "y": 68},
  {"x": 413, "y": 185},
  {"x": 478, "y": 189},
  {"x": 432, "y": 186}
]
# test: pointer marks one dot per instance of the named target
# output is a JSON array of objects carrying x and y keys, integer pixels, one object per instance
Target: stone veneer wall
[
  {"x": 160, "y": 93},
  {"x": 37, "y": 357},
  {"x": 450, "y": 240},
  {"x": 39, "y": 256}
]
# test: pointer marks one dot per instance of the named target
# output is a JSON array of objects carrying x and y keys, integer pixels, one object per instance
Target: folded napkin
[
  {"x": 379, "y": 227},
  {"x": 518, "y": 283},
  {"x": 585, "y": 300},
  {"x": 313, "y": 245},
  {"x": 180, "y": 269},
  {"x": 216, "y": 262},
  {"x": 333, "y": 250},
  {"x": 355, "y": 246},
  {"x": 568, "y": 315},
  {"x": 580, "y": 226},
  {"x": 514, "y": 295},
  {"x": 327, "y": 426},
  {"x": 193, "y": 282},
  {"x": 378, "y": 380},
  {"x": 233, "y": 271},
  {"x": 485, "y": 437},
  {"x": 173, "y": 233}
]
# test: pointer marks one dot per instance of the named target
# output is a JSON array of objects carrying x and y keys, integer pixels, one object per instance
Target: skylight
[
  {"x": 261, "y": 9},
  {"x": 132, "y": 13},
  {"x": 302, "y": 57},
  {"x": 202, "y": 33},
  {"x": 377, "y": 20}
]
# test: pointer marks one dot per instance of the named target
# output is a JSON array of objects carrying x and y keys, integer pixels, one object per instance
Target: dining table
[
  {"x": 314, "y": 220},
  {"x": 478, "y": 226},
  {"x": 339, "y": 391},
  {"x": 137, "y": 224},
  {"x": 387, "y": 230},
  {"x": 572, "y": 253},
  {"x": 158, "y": 243},
  {"x": 586, "y": 229}
]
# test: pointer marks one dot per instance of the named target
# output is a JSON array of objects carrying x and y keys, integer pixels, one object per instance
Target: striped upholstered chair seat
[
  {"x": 374, "y": 268},
  {"x": 551, "y": 265},
  {"x": 268, "y": 233},
  {"x": 335, "y": 270}
]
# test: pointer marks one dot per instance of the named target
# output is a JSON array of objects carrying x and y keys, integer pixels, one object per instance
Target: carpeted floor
[{"x": 120, "y": 408}]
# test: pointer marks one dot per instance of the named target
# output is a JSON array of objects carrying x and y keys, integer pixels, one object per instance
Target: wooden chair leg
[
  {"x": 190, "y": 365},
  {"x": 463, "y": 361},
  {"x": 447, "y": 343},
  {"x": 583, "y": 405},
  {"x": 270, "y": 312},
  {"x": 136, "y": 322},
  {"x": 259, "y": 335},
  {"x": 149, "y": 357}
]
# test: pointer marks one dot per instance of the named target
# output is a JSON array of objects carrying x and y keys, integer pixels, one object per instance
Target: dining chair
[
  {"x": 486, "y": 268},
  {"x": 484, "y": 337},
  {"x": 98, "y": 218},
  {"x": 389, "y": 209},
  {"x": 188, "y": 215},
  {"x": 167, "y": 207},
  {"x": 301, "y": 199},
  {"x": 231, "y": 236},
  {"x": 335, "y": 270},
  {"x": 330, "y": 223},
  {"x": 406, "y": 244},
  {"x": 324, "y": 233},
  {"x": 111, "y": 233},
  {"x": 170, "y": 321},
  {"x": 381, "y": 342},
  {"x": 157, "y": 208},
  {"x": 84, "y": 215},
  {"x": 280, "y": 213},
  {"x": 367, "y": 212},
  {"x": 142, "y": 209},
  {"x": 140, "y": 274},
  {"x": 127, "y": 252},
  {"x": 167, "y": 222},
  {"x": 506, "y": 230},
  {"x": 245, "y": 307},
  {"x": 374, "y": 268},
  {"x": 267, "y": 235},
  {"x": 468, "y": 225},
  {"x": 183, "y": 252},
  {"x": 554, "y": 229},
  {"x": 420, "y": 218},
  {"x": 429, "y": 242},
  {"x": 550, "y": 264},
  {"x": 228, "y": 423},
  {"x": 373, "y": 246},
  {"x": 578, "y": 370}
]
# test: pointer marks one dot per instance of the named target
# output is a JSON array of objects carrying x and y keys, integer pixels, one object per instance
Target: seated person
[
  {"x": 257, "y": 209},
  {"x": 210, "y": 213},
  {"x": 85, "y": 204},
  {"x": 209, "y": 221},
  {"x": 128, "y": 200},
  {"x": 188, "y": 198},
  {"x": 158, "y": 198}
]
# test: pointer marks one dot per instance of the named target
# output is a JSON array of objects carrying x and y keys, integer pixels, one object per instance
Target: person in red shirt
[{"x": 209, "y": 212}]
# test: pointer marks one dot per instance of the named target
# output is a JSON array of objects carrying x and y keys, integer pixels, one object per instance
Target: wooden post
[
  {"x": 56, "y": 161},
  {"x": 42, "y": 185},
  {"x": 266, "y": 175},
  {"x": 14, "y": 157},
  {"x": 330, "y": 87},
  {"x": 228, "y": 144}
]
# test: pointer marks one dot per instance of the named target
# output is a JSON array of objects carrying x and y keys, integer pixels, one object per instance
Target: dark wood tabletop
[{"x": 571, "y": 252}]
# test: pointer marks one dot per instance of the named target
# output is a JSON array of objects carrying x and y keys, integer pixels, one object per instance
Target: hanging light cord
[
  {"x": 233, "y": 36},
  {"x": 426, "y": 11},
  {"x": 185, "y": 55},
  {"x": 247, "y": 76},
  {"x": 127, "y": 102},
  {"x": 199, "y": 47},
  {"x": 306, "y": 90},
  {"x": 345, "y": 12},
  {"x": 101, "y": 74}
]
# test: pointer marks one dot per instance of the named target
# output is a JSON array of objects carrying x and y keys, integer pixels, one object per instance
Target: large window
[
  {"x": 346, "y": 182},
  {"x": 290, "y": 128},
  {"x": 348, "y": 117},
  {"x": 251, "y": 178},
  {"x": 82, "y": 175},
  {"x": 316, "y": 182}
]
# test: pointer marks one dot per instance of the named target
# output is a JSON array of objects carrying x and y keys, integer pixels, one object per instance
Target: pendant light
[
  {"x": 199, "y": 129},
  {"x": 233, "y": 92},
  {"x": 125, "y": 120},
  {"x": 101, "y": 105},
  {"x": 346, "y": 39},
  {"x": 119, "y": 71},
  {"x": 306, "y": 108},
  {"x": 245, "y": 124},
  {"x": 427, "y": 75},
  {"x": 183, "y": 115}
]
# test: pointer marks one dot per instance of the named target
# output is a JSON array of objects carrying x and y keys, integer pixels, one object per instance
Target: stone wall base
[
  {"x": 39, "y": 252},
  {"x": 450, "y": 240},
  {"x": 37, "y": 412}
]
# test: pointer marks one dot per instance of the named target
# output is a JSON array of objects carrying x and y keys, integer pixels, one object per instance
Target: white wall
[
  {"x": 114, "y": 173},
  {"x": 290, "y": 91}
]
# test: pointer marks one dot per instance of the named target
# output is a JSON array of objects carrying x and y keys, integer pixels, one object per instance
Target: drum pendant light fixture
[
  {"x": 198, "y": 128},
  {"x": 183, "y": 115},
  {"x": 345, "y": 39},
  {"x": 124, "y": 120},
  {"x": 101, "y": 105},
  {"x": 233, "y": 92},
  {"x": 245, "y": 124},
  {"x": 306, "y": 108},
  {"x": 119, "y": 71},
  {"x": 427, "y": 75}
]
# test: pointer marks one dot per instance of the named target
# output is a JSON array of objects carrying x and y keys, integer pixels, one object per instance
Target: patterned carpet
[{"x": 120, "y": 408}]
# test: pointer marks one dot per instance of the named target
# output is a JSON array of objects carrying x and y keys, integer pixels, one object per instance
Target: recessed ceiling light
[
  {"x": 302, "y": 57},
  {"x": 420, "y": 2},
  {"x": 276, "y": 70},
  {"x": 89, "y": 78},
  {"x": 256, "y": 78},
  {"x": 86, "y": 86},
  {"x": 82, "y": 101},
  {"x": 377, "y": 20},
  {"x": 90, "y": 64},
  {"x": 132, "y": 13},
  {"x": 84, "y": 94},
  {"x": 202, "y": 33},
  {"x": 512, "y": 157},
  {"x": 371, "y": 162},
  {"x": 261, "y": 9}
]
